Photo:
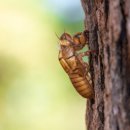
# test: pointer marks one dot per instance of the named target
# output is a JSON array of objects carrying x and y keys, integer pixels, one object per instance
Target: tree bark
[{"x": 108, "y": 23}]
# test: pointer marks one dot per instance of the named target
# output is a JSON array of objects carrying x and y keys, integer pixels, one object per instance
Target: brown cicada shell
[{"x": 71, "y": 61}]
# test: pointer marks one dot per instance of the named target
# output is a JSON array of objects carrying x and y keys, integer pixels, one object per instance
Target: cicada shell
[{"x": 72, "y": 63}]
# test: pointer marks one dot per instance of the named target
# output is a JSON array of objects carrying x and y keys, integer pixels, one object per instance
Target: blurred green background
[{"x": 35, "y": 92}]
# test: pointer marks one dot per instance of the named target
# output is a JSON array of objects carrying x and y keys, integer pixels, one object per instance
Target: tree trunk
[{"x": 108, "y": 22}]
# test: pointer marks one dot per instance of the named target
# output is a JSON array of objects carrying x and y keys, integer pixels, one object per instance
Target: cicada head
[
  {"x": 80, "y": 39},
  {"x": 66, "y": 45},
  {"x": 65, "y": 39}
]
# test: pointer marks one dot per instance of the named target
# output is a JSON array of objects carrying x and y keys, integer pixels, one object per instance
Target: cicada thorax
[{"x": 79, "y": 76}]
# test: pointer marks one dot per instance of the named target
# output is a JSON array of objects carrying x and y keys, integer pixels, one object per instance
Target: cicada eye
[
  {"x": 78, "y": 38},
  {"x": 78, "y": 35},
  {"x": 82, "y": 39}
]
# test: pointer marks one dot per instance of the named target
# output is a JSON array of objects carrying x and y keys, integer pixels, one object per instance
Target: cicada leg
[
  {"x": 85, "y": 64},
  {"x": 80, "y": 57}
]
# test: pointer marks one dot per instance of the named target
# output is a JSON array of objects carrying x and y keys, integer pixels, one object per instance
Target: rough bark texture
[{"x": 108, "y": 22}]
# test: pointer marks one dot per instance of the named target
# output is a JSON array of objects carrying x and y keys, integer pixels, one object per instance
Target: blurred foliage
[{"x": 36, "y": 94}]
